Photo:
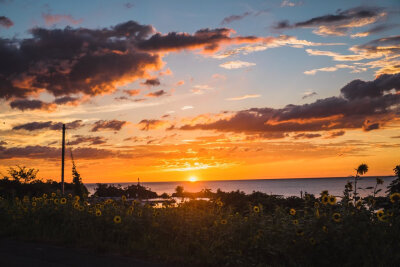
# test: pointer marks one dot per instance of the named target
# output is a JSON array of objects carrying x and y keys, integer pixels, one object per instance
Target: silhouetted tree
[
  {"x": 395, "y": 184},
  {"x": 19, "y": 174},
  {"x": 79, "y": 188},
  {"x": 179, "y": 191}
]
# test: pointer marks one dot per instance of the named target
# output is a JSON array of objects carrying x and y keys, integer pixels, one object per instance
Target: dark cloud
[
  {"x": 206, "y": 39},
  {"x": 339, "y": 23},
  {"x": 66, "y": 100},
  {"x": 46, "y": 152},
  {"x": 157, "y": 93},
  {"x": 27, "y": 104},
  {"x": 3, "y": 143},
  {"x": 152, "y": 82},
  {"x": 231, "y": 18},
  {"x": 309, "y": 94},
  {"x": 360, "y": 89},
  {"x": 306, "y": 136},
  {"x": 33, "y": 126},
  {"x": 361, "y": 109},
  {"x": 113, "y": 125},
  {"x": 70, "y": 61},
  {"x": 93, "y": 140},
  {"x": 368, "y": 126},
  {"x": 335, "y": 134},
  {"x": 146, "y": 125},
  {"x": 386, "y": 45},
  {"x": 86, "y": 61},
  {"x": 6, "y": 22}
]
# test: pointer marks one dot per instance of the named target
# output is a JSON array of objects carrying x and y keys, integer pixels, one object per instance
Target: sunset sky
[{"x": 168, "y": 90}]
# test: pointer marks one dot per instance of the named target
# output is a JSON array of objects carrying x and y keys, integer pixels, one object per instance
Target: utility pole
[{"x": 62, "y": 158}]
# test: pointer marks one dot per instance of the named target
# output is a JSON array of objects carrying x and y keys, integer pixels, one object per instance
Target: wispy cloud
[
  {"x": 288, "y": 3},
  {"x": 232, "y": 18},
  {"x": 186, "y": 107},
  {"x": 242, "y": 97},
  {"x": 267, "y": 43},
  {"x": 236, "y": 64},
  {"x": 51, "y": 19},
  {"x": 355, "y": 69},
  {"x": 338, "y": 24}
]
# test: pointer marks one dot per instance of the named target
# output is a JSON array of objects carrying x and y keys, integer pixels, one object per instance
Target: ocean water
[{"x": 284, "y": 187}]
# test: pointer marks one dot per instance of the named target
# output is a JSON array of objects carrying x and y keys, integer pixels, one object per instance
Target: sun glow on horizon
[{"x": 192, "y": 179}]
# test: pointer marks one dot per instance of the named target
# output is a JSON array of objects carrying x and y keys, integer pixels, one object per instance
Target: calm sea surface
[{"x": 285, "y": 187}]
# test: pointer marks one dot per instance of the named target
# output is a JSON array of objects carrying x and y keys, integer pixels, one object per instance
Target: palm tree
[{"x": 362, "y": 169}]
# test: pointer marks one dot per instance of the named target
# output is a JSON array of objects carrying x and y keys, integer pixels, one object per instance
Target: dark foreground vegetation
[{"x": 231, "y": 229}]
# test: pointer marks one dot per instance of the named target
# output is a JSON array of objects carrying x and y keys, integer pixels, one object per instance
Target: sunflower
[
  {"x": 223, "y": 221},
  {"x": 332, "y": 200},
  {"x": 98, "y": 213},
  {"x": 324, "y": 199},
  {"x": 312, "y": 241},
  {"x": 123, "y": 198},
  {"x": 56, "y": 201},
  {"x": 395, "y": 197},
  {"x": 316, "y": 205},
  {"x": 299, "y": 232},
  {"x": 53, "y": 194},
  {"x": 256, "y": 209},
  {"x": 34, "y": 204},
  {"x": 381, "y": 215},
  {"x": 295, "y": 222},
  {"x": 63, "y": 200},
  {"x": 336, "y": 217},
  {"x": 77, "y": 198},
  {"x": 76, "y": 205},
  {"x": 325, "y": 229},
  {"x": 81, "y": 208},
  {"x": 117, "y": 219},
  {"x": 292, "y": 212},
  {"x": 219, "y": 203},
  {"x": 69, "y": 195},
  {"x": 44, "y": 195}
]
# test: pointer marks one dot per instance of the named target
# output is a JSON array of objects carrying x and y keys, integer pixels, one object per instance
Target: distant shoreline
[{"x": 245, "y": 180}]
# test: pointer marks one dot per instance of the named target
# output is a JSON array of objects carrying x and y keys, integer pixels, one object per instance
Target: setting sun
[{"x": 192, "y": 179}]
